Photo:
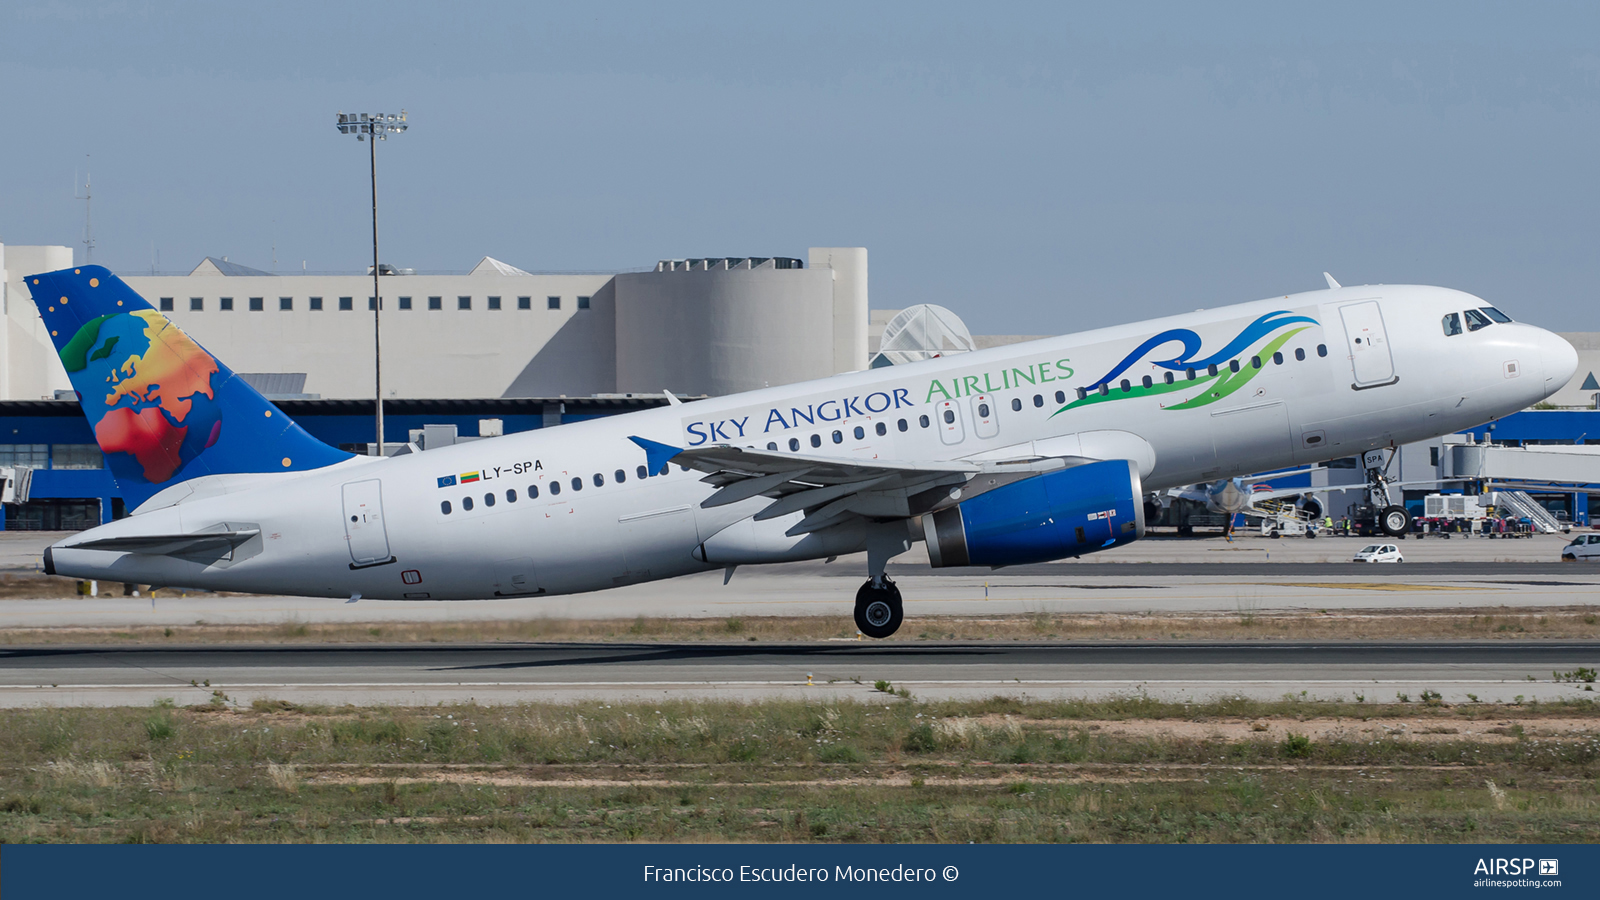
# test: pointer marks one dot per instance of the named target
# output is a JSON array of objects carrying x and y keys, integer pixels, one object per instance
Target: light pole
[{"x": 377, "y": 127}]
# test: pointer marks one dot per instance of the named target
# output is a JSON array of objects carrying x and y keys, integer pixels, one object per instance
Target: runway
[{"x": 499, "y": 673}]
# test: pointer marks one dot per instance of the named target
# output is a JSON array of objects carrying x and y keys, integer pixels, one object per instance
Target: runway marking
[{"x": 1376, "y": 586}]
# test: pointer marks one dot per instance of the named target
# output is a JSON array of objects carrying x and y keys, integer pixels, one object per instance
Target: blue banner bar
[{"x": 249, "y": 872}]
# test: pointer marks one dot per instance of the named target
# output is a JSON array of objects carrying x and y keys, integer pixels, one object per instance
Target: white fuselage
[{"x": 1408, "y": 381}]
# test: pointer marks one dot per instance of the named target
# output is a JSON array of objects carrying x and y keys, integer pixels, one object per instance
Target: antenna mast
[{"x": 88, "y": 212}]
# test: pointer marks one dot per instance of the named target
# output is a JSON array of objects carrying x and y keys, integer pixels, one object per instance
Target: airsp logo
[
  {"x": 1523, "y": 866},
  {"x": 1549, "y": 867}
]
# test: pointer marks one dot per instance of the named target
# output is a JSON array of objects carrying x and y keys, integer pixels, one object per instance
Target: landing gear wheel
[
  {"x": 878, "y": 610},
  {"x": 1394, "y": 521}
]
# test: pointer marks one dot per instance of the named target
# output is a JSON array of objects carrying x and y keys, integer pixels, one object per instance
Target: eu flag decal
[{"x": 447, "y": 481}]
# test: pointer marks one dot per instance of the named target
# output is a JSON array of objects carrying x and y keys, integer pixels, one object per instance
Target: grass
[
  {"x": 1126, "y": 769},
  {"x": 1247, "y": 624}
]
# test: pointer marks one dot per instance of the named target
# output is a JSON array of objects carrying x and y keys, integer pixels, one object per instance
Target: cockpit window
[
  {"x": 1476, "y": 320},
  {"x": 1452, "y": 324},
  {"x": 1495, "y": 314}
]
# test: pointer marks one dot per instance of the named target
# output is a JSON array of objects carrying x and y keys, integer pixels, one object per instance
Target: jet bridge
[{"x": 1511, "y": 471}]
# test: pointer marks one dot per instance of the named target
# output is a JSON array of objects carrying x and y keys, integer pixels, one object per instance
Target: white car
[
  {"x": 1584, "y": 546},
  {"x": 1376, "y": 553}
]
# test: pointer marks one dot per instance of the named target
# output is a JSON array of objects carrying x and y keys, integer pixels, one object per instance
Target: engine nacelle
[{"x": 1065, "y": 513}]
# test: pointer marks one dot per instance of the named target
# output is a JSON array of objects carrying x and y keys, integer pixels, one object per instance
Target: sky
[{"x": 1038, "y": 168}]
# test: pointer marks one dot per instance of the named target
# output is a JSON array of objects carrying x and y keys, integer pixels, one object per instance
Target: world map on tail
[{"x": 163, "y": 409}]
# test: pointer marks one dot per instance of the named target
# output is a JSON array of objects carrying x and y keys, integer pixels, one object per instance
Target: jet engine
[{"x": 1064, "y": 513}]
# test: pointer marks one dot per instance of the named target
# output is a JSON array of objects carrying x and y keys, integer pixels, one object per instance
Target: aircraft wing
[{"x": 830, "y": 489}]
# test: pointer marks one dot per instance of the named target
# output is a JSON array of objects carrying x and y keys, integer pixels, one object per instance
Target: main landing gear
[{"x": 878, "y": 610}]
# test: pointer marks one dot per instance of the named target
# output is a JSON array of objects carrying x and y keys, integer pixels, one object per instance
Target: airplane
[{"x": 1018, "y": 454}]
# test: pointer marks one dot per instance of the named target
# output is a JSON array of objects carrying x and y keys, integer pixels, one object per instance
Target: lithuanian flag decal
[{"x": 469, "y": 477}]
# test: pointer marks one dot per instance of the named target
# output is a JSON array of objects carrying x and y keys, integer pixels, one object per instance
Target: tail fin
[{"x": 163, "y": 409}]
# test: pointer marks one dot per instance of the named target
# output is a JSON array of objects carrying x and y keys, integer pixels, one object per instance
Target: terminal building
[{"x": 495, "y": 349}]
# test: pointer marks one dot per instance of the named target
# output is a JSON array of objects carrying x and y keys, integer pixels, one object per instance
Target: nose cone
[{"x": 1559, "y": 359}]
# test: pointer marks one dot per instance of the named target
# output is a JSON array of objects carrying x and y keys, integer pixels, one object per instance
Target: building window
[
  {"x": 225, "y": 304},
  {"x": 196, "y": 304},
  {"x": 33, "y": 456},
  {"x": 524, "y": 303},
  {"x": 436, "y": 303},
  {"x": 553, "y": 302},
  {"x": 583, "y": 302},
  {"x": 166, "y": 304},
  {"x": 76, "y": 456},
  {"x": 347, "y": 304},
  {"x": 257, "y": 304},
  {"x": 372, "y": 303},
  {"x": 463, "y": 303},
  {"x": 285, "y": 304},
  {"x": 405, "y": 302},
  {"x": 494, "y": 302},
  {"x": 315, "y": 303}
]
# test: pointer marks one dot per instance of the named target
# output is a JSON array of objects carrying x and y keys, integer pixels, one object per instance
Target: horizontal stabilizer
[{"x": 171, "y": 544}]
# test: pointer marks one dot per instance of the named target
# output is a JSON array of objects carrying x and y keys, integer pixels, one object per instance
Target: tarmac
[{"x": 1203, "y": 574}]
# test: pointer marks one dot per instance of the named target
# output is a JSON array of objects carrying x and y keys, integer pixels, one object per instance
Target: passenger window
[
  {"x": 1167, "y": 378},
  {"x": 466, "y": 503},
  {"x": 949, "y": 417},
  {"x": 665, "y": 468},
  {"x": 1233, "y": 365},
  {"x": 1147, "y": 382},
  {"x": 511, "y": 495},
  {"x": 1105, "y": 391},
  {"x": 1016, "y": 404},
  {"x": 1495, "y": 314},
  {"x": 1277, "y": 358},
  {"x": 533, "y": 492},
  {"x": 923, "y": 421},
  {"x": 1300, "y": 354},
  {"x": 1322, "y": 349},
  {"x": 881, "y": 429},
  {"x": 555, "y": 488},
  {"x": 1061, "y": 397},
  {"x": 642, "y": 472},
  {"x": 577, "y": 483},
  {"x": 488, "y": 499},
  {"x": 816, "y": 440},
  {"x": 860, "y": 433},
  {"x": 772, "y": 445},
  {"x": 1082, "y": 394},
  {"x": 1038, "y": 400},
  {"x": 599, "y": 480},
  {"x": 1476, "y": 320},
  {"x": 444, "y": 507},
  {"x": 1189, "y": 374},
  {"x": 1125, "y": 386},
  {"x": 1452, "y": 324},
  {"x": 902, "y": 425},
  {"x": 1255, "y": 362},
  {"x": 1211, "y": 370},
  {"x": 794, "y": 445},
  {"x": 983, "y": 410},
  {"x": 622, "y": 474},
  {"x": 838, "y": 437}
]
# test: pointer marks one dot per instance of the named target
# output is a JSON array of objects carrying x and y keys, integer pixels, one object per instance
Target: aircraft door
[
  {"x": 516, "y": 577},
  {"x": 363, "y": 523},
  {"x": 948, "y": 417},
  {"x": 984, "y": 423},
  {"x": 1370, "y": 360}
]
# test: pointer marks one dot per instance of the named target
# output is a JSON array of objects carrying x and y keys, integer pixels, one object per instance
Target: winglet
[
  {"x": 656, "y": 455},
  {"x": 1332, "y": 285},
  {"x": 671, "y": 400}
]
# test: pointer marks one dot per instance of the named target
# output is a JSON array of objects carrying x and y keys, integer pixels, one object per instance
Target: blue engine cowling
[{"x": 1067, "y": 513}]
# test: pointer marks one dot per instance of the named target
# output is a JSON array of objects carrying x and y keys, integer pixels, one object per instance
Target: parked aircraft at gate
[{"x": 1023, "y": 453}]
